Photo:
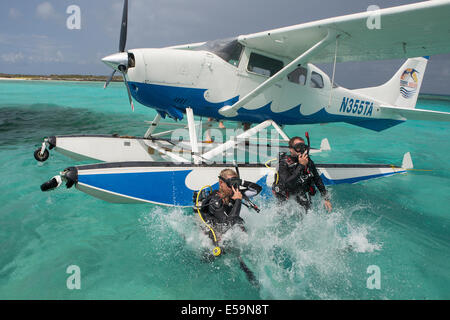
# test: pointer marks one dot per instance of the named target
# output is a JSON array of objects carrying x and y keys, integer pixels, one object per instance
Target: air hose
[
  {"x": 216, "y": 250},
  {"x": 276, "y": 171}
]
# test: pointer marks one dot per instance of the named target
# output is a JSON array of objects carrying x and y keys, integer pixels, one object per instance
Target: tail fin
[{"x": 403, "y": 88}]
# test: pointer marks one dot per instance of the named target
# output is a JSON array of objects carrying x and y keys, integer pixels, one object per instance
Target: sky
[{"x": 35, "y": 39}]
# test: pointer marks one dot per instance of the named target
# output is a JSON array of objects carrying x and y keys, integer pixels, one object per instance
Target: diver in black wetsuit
[
  {"x": 298, "y": 176},
  {"x": 222, "y": 208}
]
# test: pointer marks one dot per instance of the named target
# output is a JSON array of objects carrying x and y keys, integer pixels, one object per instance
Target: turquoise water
[{"x": 400, "y": 224}]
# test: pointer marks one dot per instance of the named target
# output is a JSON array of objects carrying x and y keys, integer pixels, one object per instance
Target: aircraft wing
[{"x": 414, "y": 30}]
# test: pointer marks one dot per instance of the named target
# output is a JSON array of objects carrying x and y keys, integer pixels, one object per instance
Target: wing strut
[
  {"x": 334, "y": 69},
  {"x": 231, "y": 111}
]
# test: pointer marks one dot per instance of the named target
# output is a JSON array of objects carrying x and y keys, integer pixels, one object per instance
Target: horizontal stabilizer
[
  {"x": 407, "y": 161},
  {"x": 325, "y": 145},
  {"x": 415, "y": 114}
]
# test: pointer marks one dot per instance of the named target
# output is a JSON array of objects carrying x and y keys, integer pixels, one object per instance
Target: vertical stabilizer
[{"x": 403, "y": 88}]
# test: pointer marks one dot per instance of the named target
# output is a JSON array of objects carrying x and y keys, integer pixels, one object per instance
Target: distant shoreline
[{"x": 56, "y": 77}]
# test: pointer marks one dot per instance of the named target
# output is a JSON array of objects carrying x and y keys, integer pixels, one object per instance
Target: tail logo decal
[{"x": 408, "y": 83}]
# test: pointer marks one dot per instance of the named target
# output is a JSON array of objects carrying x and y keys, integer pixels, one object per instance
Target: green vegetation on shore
[{"x": 64, "y": 77}]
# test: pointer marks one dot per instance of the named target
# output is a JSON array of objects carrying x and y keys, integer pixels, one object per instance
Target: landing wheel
[{"x": 41, "y": 157}]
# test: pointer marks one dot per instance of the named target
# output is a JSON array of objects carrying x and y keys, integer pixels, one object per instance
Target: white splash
[{"x": 293, "y": 255}]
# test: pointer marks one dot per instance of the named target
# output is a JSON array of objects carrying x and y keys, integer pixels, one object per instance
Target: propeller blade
[
  {"x": 128, "y": 89},
  {"x": 109, "y": 79},
  {"x": 123, "y": 28}
]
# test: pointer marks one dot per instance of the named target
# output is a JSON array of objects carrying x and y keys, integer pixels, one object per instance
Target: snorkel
[{"x": 309, "y": 142}]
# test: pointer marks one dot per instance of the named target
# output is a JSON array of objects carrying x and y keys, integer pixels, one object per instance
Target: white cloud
[
  {"x": 14, "y": 13},
  {"x": 34, "y": 48},
  {"x": 45, "y": 54},
  {"x": 12, "y": 57},
  {"x": 46, "y": 11}
]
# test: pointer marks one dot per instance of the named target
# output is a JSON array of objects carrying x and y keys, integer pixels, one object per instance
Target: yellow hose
[
  {"x": 276, "y": 172},
  {"x": 216, "y": 250}
]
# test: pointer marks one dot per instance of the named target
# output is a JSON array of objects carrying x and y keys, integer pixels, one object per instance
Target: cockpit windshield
[{"x": 229, "y": 50}]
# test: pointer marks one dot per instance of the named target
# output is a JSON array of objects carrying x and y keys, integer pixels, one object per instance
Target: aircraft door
[
  {"x": 254, "y": 69},
  {"x": 294, "y": 91}
]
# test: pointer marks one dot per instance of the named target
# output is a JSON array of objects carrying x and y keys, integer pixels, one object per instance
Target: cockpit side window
[
  {"x": 263, "y": 65},
  {"x": 229, "y": 50},
  {"x": 316, "y": 80},
  {"x": 235, "y": 54},
  {"x": 298, "y": 76}
]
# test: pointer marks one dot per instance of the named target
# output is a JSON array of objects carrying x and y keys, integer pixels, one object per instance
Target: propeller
[
  {"x": 123, "y": 28},
  {"x": 120, "y": 61},
  {"x": 128, "y": 88},
  {"x": 109, "y": 79}
]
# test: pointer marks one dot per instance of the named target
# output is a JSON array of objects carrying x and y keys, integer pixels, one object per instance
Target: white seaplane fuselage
[{"x": 171, "y": 80}]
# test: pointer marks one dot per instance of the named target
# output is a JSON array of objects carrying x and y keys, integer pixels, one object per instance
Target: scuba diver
[
  {"x": 298, "y": 176},
  {"x": 220, "y": 209}
]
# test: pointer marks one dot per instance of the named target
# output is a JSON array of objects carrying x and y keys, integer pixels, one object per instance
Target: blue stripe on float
[
  {"x": 166, "y": 187},
  {"x": 327, "y": 181}
]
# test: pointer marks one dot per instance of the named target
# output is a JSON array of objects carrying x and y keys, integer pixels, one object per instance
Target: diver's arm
[
  {"x": 237, "y": 201},
  {"x": 318, "y": 180},
  {"x": 236, "y": 211},
  {"x": 319, "y": 183}
]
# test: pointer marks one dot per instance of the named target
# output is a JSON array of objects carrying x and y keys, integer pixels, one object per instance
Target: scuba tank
[{"x": 278, "y": 188}]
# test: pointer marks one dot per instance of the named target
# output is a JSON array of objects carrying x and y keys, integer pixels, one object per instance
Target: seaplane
[{"x": 256, "y": 81}]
